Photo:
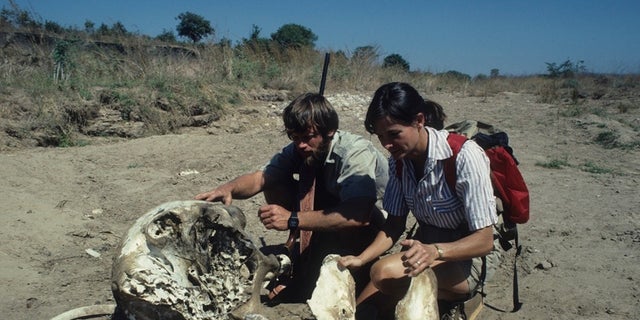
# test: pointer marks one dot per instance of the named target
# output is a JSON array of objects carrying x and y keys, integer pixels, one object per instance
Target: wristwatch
[{"x": 293, "y": 221}]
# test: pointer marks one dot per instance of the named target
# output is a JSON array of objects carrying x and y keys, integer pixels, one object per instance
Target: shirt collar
[
  {"x": 438, "y": 148},
  {"x": 334, "y": 141}
]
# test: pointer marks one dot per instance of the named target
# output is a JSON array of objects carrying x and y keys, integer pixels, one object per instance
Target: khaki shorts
[{"x": 473, "y": 267}]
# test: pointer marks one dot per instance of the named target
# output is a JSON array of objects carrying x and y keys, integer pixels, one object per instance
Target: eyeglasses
[{"x": 297, "y": 138}]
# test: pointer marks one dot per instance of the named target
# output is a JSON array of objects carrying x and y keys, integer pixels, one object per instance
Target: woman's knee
[
  {"x": 387, "y": 275},
  {"x": 382, "y": 270}
]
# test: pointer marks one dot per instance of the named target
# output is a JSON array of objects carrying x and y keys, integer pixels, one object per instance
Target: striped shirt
[{"x": 430, "y": 199}]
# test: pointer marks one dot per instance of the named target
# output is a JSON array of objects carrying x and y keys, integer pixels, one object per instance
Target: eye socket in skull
[{"x": 163, "y": 229}]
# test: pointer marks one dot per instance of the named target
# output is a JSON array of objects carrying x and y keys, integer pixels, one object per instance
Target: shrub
[
  {"x": 594, "y": 168},
  {"x": 608, "y": 139},
  {"x": 553, "y": 164},
  {"x": 395, "y": 61}
]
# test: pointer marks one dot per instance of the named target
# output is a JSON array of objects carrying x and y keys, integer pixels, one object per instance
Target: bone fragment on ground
[
  {"x": 334, "y": 295},
  {"x": 88, "y": 312},
  {"x": 189, "y": 260},
  {"x": 421, "y": 300}
]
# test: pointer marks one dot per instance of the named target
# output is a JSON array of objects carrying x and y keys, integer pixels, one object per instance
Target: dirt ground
[{"x": 581, "y": 248}]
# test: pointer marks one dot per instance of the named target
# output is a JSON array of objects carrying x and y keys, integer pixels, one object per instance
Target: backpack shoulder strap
[{"x": 455, "y": 142}]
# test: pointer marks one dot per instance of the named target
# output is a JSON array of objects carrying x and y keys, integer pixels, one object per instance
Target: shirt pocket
[
  {"x": 449, "y": 212},
  {"x": 446, "y": 206}
]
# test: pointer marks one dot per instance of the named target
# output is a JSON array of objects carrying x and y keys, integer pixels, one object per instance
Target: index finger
[{"x": 411, "y": 249}]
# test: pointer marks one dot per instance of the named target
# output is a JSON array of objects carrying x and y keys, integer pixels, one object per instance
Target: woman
[{"x": 455, "y": 226}]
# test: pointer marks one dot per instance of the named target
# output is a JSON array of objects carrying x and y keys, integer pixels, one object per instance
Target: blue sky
[{"x": 516, "y": 37}]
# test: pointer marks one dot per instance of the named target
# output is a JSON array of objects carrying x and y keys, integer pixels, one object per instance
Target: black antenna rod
[{"x": 324, "y": 72}]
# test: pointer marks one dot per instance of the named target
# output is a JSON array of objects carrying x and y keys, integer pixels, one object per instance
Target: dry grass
[{"x": 166, "y": 86}]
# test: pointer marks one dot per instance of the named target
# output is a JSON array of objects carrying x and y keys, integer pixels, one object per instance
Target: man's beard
[
  {"x": 318, "y": 156},
  {"x": 316, "y": 159}
]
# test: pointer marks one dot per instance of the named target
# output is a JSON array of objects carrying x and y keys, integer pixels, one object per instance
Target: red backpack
[{"x": 508, "y": 183}]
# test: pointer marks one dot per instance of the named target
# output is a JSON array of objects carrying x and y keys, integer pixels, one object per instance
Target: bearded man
[{"x": 324, "y": 187}]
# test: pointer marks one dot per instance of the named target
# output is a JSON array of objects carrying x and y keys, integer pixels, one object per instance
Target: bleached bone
[
  {"x": 421, "y": 300},
  {"x": 334, "y": 295},
  {"x": 88, "y": 312},
  {"x": 189, "y": 260}
]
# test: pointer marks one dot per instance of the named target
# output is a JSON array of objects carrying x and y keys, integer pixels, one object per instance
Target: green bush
[
  {"x": 608, "y": 139},
  {"x": 594, "y": 168},
  {"x": 553, "y": 164}
]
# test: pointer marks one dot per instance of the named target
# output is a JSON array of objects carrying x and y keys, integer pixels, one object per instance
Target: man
[{"x": 343, "y": 173}]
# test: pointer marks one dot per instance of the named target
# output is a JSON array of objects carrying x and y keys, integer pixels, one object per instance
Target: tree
[
  {"x": 457, "y": 75},
  {"x": 19, "y": 18},
  {"x": 495, "y": 73},
  {"x": 225, "y": 42},
  {"x": 565, "y": 70},
  {"x": 118, "y": 29},
  {"x": 395, "y": 61},
  {"x": 255, "y": 32},
  {"x": 166, "y": 36},
  {"x": 294, "y": 36},
  {"x": 54, "y": 27},
  {"x": 103, "y": 30},
  {"x": 367, "y": 54},
  {"x": 193, "y": 26},
  {"x": 89, "y": 26},
  {"x": 255, "y": 42}
]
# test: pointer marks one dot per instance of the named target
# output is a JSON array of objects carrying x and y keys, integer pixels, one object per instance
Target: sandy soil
[{"x": 581, "y": 248}]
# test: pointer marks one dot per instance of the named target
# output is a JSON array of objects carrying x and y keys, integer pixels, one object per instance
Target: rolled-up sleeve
[
  {"x": 357, "y": 177},
  {"x": 473, "y": 186}
]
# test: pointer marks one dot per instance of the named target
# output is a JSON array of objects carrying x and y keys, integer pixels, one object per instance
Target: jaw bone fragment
[
  {"x": 189, "y": 260},
  {"x": 334, "y": 295},
  {"x": 421, "y": 300}
]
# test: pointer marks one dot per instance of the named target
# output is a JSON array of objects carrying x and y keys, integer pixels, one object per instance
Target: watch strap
[{"x": 293, "y": 221}]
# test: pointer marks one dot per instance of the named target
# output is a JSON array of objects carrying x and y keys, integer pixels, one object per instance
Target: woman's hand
[{"x": 418, "y": 256}]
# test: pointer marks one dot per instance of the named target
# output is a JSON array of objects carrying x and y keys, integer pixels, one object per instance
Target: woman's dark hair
[
  {"x": 401, "y": 102},
  {"x": 310, "y": 110}
]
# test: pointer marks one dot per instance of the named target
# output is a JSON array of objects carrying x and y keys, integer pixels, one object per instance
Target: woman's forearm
[{"x": 477, "y": 244}]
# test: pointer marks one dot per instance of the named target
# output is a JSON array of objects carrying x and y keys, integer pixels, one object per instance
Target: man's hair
[
  {"x": 310, "y": 111},
  {"x": 402, "y": 102}
]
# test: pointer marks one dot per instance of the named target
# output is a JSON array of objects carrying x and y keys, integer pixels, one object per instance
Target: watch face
[{"x": 293, "y": 222}]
